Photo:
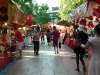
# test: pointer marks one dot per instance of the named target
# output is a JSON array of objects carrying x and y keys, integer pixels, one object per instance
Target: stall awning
[{"x": 9, "y": 12}]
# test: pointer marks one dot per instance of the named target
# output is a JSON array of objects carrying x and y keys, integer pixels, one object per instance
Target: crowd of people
[
  {"x": 53, "y": 36},
  {"x": 82, "y": 42}
]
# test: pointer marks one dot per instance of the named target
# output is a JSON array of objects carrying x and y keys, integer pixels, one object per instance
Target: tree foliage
[
  {"x": 41, "y": 16},
  {"x": 55, "y": 17},
  {"x": 66, "y": 6},
  {"x": 39, "y": 12}
]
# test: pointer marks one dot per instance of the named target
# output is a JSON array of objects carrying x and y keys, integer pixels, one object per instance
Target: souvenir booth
[
  {"x": 87, "y": 14},
  {"x": 9, "y": 13}
]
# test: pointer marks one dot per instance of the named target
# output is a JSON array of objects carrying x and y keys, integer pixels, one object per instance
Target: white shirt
[{"x": 95, "y": 41}]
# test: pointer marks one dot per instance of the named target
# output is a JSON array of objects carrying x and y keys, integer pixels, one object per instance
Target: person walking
[
  {"x": 65, "y": 34},
  {"x": 48, "y": 34},
  {"x": 42, "y": 36},
  {"x": 82, "y": 38},
  {"x": 94, "y": 42},
  {"x": 20, "y": 40},
  {"x": 36, "y": 37},
  {"x": 56, "y": 36}
]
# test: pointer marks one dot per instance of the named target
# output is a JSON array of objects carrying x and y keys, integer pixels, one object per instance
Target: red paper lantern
[
  {"x": 83, "y": 22},
  {"x": 97, "y": 19},
  {"x": 97, "y": 12},
  {"x": 90, "y": 25},
  {"x": 29, "y": 19},
  {"x": 90, "y": 17}
]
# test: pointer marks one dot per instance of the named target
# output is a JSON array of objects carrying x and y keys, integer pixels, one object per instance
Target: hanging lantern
[
  {"x": 29, "y": 19},
  {"x": 90, "y": 17},
  {"x": 97, "y": 12},
  {"x": 83, "y": 22},
  {"x": 90, "y": 25},
  {"x": 97, "y": 19}
]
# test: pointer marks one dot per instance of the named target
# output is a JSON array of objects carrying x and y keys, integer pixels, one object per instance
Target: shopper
[
  {"x": 48, "y": 34},
  {"x": 55, "y": 35},
  {"x": 19, "y": 38},
  {"x": 80, "y": 52},
  {"x": 42, "y": 36},
  {"x": 65, "y": 36},
  {"x": 36, "y": 37},
  {"x": 94, "y": 42},
  {"x": 60, "y": 39}
]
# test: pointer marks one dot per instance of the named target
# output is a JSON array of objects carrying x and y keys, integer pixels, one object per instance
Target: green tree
[
  {"x": 39, "y": 12},
  {"x": 25, "y": 5},
  {"x": 41, "y": 16},
  {"x": 66, "y": 6},
  {"x": 55, "y": 17}
]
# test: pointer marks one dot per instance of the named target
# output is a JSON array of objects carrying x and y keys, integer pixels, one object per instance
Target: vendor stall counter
[{"x": 5, "y": 57}]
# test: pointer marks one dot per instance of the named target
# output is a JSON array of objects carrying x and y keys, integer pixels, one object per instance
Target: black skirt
[{"x": 79, "y": 50}]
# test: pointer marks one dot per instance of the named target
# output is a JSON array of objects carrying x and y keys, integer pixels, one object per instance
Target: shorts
[
  {"x": 55, "y": 44},
  {"x": 19, "y": 45}
]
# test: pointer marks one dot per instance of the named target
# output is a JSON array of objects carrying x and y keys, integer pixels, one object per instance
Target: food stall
[{"x": 9, "y": 13}]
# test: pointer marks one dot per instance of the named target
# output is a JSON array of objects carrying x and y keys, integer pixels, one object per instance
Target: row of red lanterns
[{"x": 84, "y": 21}]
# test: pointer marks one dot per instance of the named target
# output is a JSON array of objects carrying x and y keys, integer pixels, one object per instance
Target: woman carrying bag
[{"x": 82, "y": 38}]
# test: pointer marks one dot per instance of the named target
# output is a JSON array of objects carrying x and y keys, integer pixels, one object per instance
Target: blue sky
[{"x": 51, "y": 3}]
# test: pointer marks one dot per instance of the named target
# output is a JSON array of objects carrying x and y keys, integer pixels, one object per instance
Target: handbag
[{"x": 77, "y": 43}]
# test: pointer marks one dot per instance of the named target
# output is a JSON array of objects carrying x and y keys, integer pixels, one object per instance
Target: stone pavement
[{"x": 46, "y": 63}]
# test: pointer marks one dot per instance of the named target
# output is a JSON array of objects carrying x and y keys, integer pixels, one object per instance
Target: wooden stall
[{"x": 9, "y": 13}]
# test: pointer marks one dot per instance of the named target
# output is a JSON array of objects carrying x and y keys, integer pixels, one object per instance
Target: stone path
[{"x": 47, "y": 63}]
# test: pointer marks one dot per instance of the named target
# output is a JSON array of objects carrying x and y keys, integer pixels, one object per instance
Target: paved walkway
[{"x": 47, "y": 63}]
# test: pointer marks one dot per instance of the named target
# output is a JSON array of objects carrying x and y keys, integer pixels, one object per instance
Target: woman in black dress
[{"x": 80, "y": 52}]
